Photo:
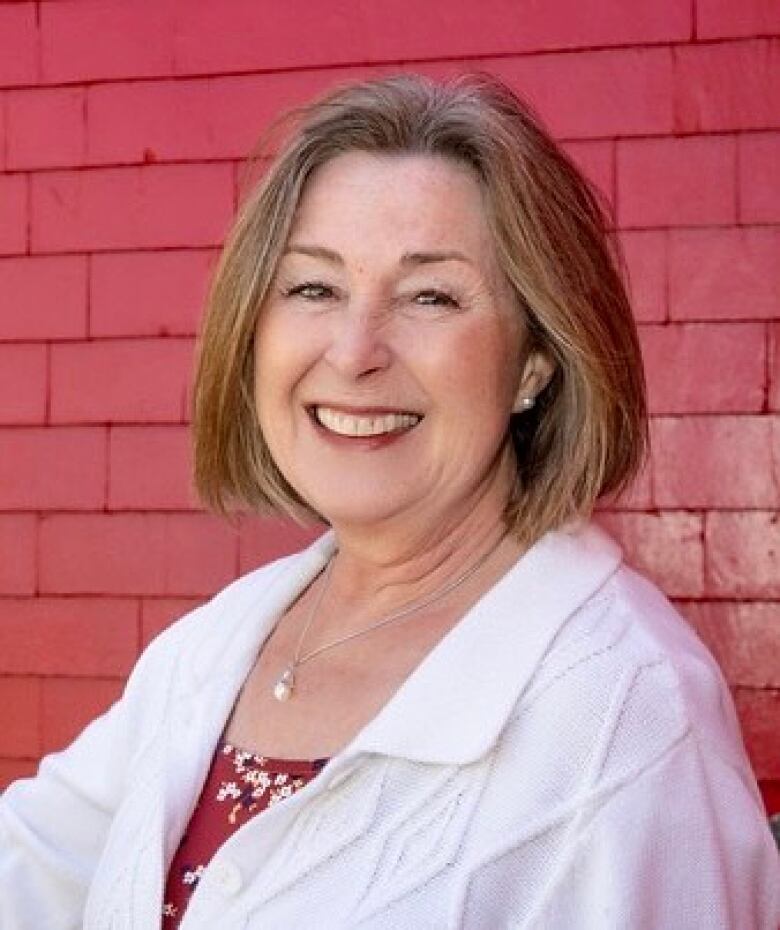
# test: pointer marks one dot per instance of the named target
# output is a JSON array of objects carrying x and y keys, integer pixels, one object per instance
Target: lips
[{"x": 370, "y": 423}]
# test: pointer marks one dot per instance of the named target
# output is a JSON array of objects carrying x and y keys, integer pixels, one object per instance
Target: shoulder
[
  {"x": 658, "y": 636},
  {"x": 627, "y": 679}
]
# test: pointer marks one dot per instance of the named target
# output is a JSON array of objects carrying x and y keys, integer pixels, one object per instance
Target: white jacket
[{"x": 566, "y": 757}]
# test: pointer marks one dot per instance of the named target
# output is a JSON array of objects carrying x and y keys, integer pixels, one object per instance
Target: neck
[{"x": 403, "y": 560}]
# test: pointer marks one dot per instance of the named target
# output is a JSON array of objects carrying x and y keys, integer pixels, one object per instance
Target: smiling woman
[
  {"x": 532, "y": 230},
  {"x": 458, "y": 708}
]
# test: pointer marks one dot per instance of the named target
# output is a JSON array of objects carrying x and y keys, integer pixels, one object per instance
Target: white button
[{"x": 226, "y": 875}]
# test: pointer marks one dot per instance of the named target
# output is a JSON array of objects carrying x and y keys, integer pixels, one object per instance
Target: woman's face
[{"x": 390, "y": 351}]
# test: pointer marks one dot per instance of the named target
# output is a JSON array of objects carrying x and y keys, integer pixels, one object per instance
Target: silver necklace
[{"x": 285, "y": 684}]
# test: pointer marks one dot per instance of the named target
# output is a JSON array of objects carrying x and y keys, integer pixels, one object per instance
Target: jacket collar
[
  {"x": 453, "y": 707},
  {"x": 246, "y": 613}
]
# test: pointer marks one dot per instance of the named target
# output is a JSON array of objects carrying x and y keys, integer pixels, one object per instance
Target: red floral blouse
[{"x": 239, "y": 786}]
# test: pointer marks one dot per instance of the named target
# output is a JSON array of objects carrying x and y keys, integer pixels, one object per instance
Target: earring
[{"x": 527, "y": 402}]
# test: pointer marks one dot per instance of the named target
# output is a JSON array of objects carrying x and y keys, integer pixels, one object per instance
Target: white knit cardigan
[{"x": 566, "y": 757}]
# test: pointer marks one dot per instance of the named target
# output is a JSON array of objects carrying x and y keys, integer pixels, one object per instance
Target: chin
[
  {"x": 363, "y": 508},
  {"x": 357, "y": 516}
]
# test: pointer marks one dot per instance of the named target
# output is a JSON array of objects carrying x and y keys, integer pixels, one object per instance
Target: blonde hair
[{"x": 587, "y": 435}]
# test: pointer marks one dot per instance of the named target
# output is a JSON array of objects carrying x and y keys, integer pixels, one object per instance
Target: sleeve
[
  {"x": 684, "y": 846},
  {"x": 53, "y": 826}
]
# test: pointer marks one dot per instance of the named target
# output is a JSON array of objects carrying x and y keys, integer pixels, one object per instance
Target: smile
[{"x": 347, "y": 424}]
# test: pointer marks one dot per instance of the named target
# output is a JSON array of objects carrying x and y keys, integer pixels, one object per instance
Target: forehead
[{"x": 402, "y": 202}]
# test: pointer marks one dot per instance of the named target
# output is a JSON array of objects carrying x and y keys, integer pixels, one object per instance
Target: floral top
[{"x": 239, "y": 786}]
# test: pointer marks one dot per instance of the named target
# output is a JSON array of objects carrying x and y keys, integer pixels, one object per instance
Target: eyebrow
[
  {"x": 429, "y": 258},
  {"x": 407, "y": 259},
  {"x": 315, "y": 251}
]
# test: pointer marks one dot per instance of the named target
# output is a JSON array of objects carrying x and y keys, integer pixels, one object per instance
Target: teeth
[{"x": 347, "y": 425}]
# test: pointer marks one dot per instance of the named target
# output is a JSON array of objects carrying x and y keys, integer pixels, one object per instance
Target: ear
[{"x": 537, "y": 371}]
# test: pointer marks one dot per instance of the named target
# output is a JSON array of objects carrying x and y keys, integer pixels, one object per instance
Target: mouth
[{"x": 364, "y": 423}]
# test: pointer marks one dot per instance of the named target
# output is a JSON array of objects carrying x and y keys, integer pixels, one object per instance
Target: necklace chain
[{"x": 285, "y": 684}]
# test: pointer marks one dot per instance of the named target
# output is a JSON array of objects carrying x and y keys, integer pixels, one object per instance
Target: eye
[
  {"x": 435, "y": 298},
  {"x": 310, "y": 290}
]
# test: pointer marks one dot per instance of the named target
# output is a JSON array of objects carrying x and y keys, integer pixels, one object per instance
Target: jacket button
[{"x": 226, "y": 876}]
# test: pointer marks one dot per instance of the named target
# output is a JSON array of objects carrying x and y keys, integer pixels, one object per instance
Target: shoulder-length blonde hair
[{"x": 586, "y": 436}]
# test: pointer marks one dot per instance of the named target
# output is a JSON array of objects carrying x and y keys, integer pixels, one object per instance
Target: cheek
[
  {"x": 272, "y": 391},
  {"x": 484, "y": 369},
  {"x": 278, "y": 360},
  {"x": 264, "y": 376}
]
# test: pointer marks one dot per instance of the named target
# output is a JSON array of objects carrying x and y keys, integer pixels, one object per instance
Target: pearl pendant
[{"x": 283, "y": 688}]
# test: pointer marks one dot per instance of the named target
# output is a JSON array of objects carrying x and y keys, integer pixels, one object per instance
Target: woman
[{"x": 458, "y": 708}]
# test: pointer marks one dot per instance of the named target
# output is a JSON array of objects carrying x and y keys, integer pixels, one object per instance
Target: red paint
[
  {"x": 133, "y": 485},
  {"x": 13, "y": 229},
  {"x": 640, "y": 103},
  {"x": 442, "y": 29},
  {"x": 743, "y": 551},
  {"x": 148, "y": 293},
  {"x": 18, "y": 569},
  {"x": 69, "y": 704},
  {"x": 126, "y": 208},
  {"x": 646, "y": 255},
  {"x": 134, "y": 41},
  {"x": 596, "y": 160},
  {"x": 735, "y": 458},
  {"x": 46, "y": 128},
  {"x": 52, "y": 468},
  {"x": 262, "y": 539},
  {"x": 774, "y": 370},
  {"x": 48, "y": 636},
  {"x": 705, "y": 367},
  {"x": 676, "y": 182},
  {"x": 743, "y": 637},
  {"x": 727, "y": 87},
  {"x": 23, "y": 383},
  {"x": 723, "y": 19},
  {"x": 758, "y": 710},
  {"x": 724, "y": 274},
  {"x": 120, "y": 381},
  {"x": 49, "y": 294},
  {"x": 192, "y": 119},
  {"x": 759, "y": 177},
  {"x": 19, "y": 735},
  {"x": 136, "y": 554},
  {"x": 667, "y": 546},
  {"x": 17, "y": 44}
]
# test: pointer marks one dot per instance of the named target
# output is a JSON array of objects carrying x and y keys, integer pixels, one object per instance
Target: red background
[{"x": 122, "y": 129}]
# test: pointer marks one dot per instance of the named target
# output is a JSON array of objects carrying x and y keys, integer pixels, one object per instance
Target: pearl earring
[{"x": 527, "y": 402}]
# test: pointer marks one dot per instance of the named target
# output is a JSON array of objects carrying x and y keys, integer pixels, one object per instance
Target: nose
[{"x": 358, "y": 345}]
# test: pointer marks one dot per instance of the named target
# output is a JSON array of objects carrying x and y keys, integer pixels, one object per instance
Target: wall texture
[{"x": 122, "y": 129}]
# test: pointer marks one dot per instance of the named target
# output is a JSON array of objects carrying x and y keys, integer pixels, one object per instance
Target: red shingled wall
[{"x": 122, "y": 127}]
